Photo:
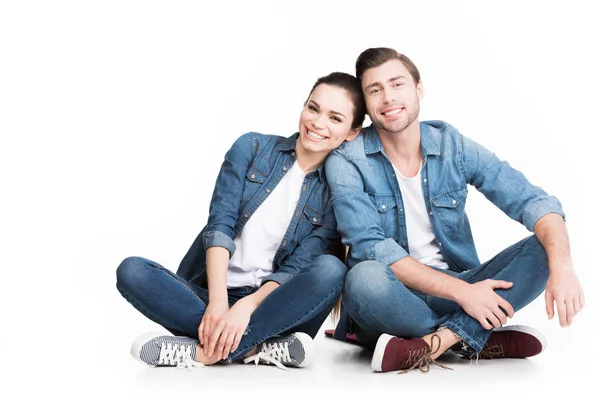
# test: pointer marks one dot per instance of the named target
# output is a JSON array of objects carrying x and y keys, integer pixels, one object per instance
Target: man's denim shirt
[
  {"x": 252, "y": 168},
  {"x": 368, "y": 203}
]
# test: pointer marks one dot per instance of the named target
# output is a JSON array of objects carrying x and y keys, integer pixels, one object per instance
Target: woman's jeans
[
  {"x": 300, "y": 305},
  {"x": 378, "y": 302}
]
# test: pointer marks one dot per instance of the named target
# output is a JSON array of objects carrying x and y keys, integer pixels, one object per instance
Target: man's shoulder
[{"x": 444, "y": 135}]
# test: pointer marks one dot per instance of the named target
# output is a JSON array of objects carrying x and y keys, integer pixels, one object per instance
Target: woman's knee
[
  {"x": 328, "y": 269},
  {"x": 132, "y": 271}
]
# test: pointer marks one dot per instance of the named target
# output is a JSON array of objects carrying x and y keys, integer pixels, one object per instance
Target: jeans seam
[
  {"x": 145, "y": 311},
  {"x": 248, "y": 347}
]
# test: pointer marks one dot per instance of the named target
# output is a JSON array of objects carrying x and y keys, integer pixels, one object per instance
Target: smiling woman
[{"x": 258, "y": 282}]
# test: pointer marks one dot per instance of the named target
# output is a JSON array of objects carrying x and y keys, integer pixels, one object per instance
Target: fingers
[
  {"x": 485, "y": 322},
  {"x": 577, "y": 303},
  {"x": 570, "y": 308},
  {"x": 206, "y": 337},
  {"x": 227, "y": 348},
  {"x": 507, "y": 308},
  {"x": 500, "y": 317},
  {"x": 201, "y": 332},
  {"x": 561, "y": 309},
  {"x": 501, "y": 284},
  {"x": 213, "y": 339},
  {"x": 549, "y": 304},
  {"x": 236, "y": 342}
]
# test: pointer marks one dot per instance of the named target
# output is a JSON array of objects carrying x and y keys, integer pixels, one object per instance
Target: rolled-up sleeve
[{"x": 357, "y": 218}]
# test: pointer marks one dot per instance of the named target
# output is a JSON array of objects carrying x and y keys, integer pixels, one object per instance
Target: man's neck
[{"x": 404, "y": 148}]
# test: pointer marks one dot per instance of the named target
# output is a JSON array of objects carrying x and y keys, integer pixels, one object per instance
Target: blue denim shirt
[
  {"x": 253, "y": 167},
  {"x": 368, "y": 203}
]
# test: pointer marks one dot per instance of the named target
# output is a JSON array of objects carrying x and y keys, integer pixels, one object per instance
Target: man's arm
[{"x": 563, "y": 287}]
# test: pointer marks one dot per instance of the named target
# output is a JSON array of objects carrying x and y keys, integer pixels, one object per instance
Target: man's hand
[
  {"x": 227, "y": 334},
  {"x": 564, "y": 289},
  {"x": 481, "y": 302},
  {"x": 210, "y": 320}
]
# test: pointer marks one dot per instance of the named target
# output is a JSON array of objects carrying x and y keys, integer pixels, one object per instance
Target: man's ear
[{"x": 353, "y": 134}]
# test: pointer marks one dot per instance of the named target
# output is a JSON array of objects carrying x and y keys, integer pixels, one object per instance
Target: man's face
[{"x": 392, "y": 96}]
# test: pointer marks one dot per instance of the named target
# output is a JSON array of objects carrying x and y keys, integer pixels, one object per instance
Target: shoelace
[
  {"x": 421, "y": 358},
  {"x": 274, "y": 353},
  {"x": 492, "y": 350},
  {"x": 179, "y": 355}
]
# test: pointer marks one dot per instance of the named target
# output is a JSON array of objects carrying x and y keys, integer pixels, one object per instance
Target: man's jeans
[
  {"x": 379, "y": 303},
  {"x": 300, "y": 305}
]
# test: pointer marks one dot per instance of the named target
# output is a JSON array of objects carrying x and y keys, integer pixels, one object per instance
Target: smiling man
[{"x": 416, "y": 286}]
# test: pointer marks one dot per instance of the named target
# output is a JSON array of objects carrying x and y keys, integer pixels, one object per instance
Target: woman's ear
[{"x": 353, "y": 134}]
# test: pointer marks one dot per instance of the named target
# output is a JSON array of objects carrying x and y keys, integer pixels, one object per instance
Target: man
[{"x": 416, "y": 287}]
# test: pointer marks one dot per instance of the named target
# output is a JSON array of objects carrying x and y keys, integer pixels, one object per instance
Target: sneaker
[
  {"x": 393, "y": 354},
  {"x": 155, "y": 349},
  {"x": 295, "y": 350},
  {"x": 515, "y": 341}
]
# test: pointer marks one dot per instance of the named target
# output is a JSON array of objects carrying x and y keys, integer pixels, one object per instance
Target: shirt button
[
  {"x": 440, "y": 243},
  {"x": 403, "y": 244},
  {"x": 370, "y": 256},
  {"x": 314, "y": 219},
  {"x": 297, "y": 213},
  {"x": 400, "y": 210},
  {"x": 252, "y": 176},
  {"x": 293, "y": 153},
  {"x": 453, "y": 201},
  {"x": 304, "y": 187},
  {"x": 430, "y": 212},
  {"x": 284, "y": 242},
  {"x": 285, "y": 168},
  {"x": 383, "y": 206},
  {"x": 268, "y": 190},
  {"x": 425, "y": 180},
  {"x": 246, "y": 215}
]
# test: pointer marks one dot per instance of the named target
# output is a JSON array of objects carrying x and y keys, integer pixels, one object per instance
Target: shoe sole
[
  {"x": 377, "y": 360},
  {"x": 528, "y": 330},
  {"x": 308, "y": 345},
  {"x": 137, "y": 345}
]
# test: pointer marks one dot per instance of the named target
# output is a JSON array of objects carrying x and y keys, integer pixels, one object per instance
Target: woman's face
[{"x": 326, "y": 119}]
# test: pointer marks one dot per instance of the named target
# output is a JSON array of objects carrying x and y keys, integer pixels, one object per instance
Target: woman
[{"x": 257, "y": 282}]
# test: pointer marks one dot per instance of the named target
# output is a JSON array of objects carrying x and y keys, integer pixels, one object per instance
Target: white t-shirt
[
  {"x": 262, "y": 235},
  {"x": 422, "y": 245}
]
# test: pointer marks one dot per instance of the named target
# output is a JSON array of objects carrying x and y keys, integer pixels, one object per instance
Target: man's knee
[{"x": 365, "y": 282}]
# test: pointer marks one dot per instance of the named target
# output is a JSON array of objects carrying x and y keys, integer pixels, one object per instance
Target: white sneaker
[
  {"x": 295, "y": 350},
  {"x": 156, "y": 349}
]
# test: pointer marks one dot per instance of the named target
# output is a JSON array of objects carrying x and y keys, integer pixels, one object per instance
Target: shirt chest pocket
[
  {"x": 255, "y": 178},
  {"x": 310, "y": 219},
  {"x": 449, "y": 208},
  {"x": 386, "y": 206}
]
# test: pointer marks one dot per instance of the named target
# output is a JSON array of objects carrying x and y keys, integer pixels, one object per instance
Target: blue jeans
[
  {"x": 300, "y": 305},
  {"x": 378, "y": 302}
]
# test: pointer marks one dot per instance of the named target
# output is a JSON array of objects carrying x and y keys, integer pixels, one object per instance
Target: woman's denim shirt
[
  {"x": 368, "y": 203},
  {"x": 252, "y": 168}
]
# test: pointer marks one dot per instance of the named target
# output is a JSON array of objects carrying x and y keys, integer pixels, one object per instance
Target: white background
[{"x": 115, "y": 116}]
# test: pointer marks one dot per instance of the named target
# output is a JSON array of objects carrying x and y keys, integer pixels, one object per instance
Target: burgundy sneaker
[
  {"x": 392, "y": 354},
  {"x": 515, "y": 341}
]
